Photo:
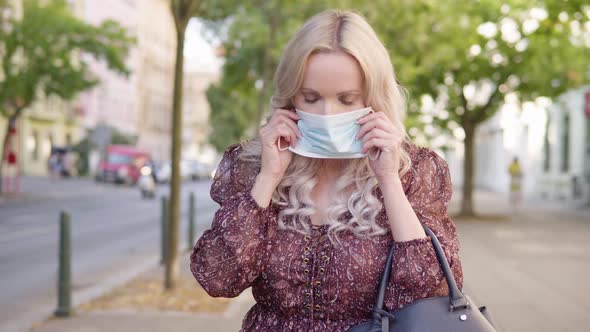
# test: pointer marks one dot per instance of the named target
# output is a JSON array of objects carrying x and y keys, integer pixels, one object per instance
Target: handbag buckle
[{"x": 461, "y": 303}]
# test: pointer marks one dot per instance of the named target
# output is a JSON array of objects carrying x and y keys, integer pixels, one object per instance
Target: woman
[{"x": 308, "y": 226}]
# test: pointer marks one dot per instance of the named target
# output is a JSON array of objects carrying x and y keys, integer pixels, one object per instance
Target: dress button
[
  {"x": 317, "y": 307},
  {"x": 317, "y": 294},
  {"x": 317, "y": 283},
  {"x": 306, "y": 271},
  {"x": 308, "y": 306},
  {"x": 306, "y": 294},
  {"x": 306, "y": 260},
  {"x": 306, "y": 249},
  {"x": 322, "y": 270},
  {"x": 306, "y": 238},
  {"x": 326, "y": 258}
]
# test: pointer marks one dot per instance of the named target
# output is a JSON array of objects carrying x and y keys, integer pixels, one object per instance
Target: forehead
[{"x": 332, "y": 72}]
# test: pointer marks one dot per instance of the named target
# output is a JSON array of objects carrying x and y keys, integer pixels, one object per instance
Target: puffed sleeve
[
  {"x": 229, "y": 256},
  {"x": 416, "y": 272}
]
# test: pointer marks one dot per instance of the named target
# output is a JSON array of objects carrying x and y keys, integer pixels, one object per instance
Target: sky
[{"x": 199, "y": 53}]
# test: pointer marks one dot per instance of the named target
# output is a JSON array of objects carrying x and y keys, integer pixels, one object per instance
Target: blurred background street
[
  {"x": 116, "y": 112},
  {"x": 115, "y": 234}
]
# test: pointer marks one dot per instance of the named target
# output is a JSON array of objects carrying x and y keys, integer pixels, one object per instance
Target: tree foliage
[
  {"x": 256, "y": 33},
  {"x": 43, "y": 53},
  {"x": 458, "y": 60}
]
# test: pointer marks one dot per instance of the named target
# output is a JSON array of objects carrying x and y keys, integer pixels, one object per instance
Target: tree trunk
[
  {"x": 174, "y": 208},
  {"x": 11, "y": 119},
  {"x": 468, "y": 173}
]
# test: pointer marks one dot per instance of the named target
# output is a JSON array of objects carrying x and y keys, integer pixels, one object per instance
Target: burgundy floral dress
[{"x": 305, "y": 283}]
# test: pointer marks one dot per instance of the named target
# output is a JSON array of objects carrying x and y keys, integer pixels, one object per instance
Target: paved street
[
  {"x": 531, "y": 270},
  {"x": 115, "y": 234}
]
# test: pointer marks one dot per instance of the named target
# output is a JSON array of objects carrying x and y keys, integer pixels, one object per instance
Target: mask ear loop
[
  {"x": 374, "y": 156},
  {"x": 279, "y": 145}
]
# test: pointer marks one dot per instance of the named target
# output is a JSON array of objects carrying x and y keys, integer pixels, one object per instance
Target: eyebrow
[{"x": 303, "y": 90}]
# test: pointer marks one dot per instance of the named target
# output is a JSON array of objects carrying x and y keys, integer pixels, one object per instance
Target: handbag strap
[{"x": 456, "y": 298}]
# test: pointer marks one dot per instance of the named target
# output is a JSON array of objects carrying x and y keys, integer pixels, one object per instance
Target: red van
[{"x": 121, "y": 164}]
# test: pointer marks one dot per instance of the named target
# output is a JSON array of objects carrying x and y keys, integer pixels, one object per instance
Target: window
[{"x": 115, "y": 158}]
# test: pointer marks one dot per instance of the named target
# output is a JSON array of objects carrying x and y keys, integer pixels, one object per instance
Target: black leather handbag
[{"x": 453, "y": 313}]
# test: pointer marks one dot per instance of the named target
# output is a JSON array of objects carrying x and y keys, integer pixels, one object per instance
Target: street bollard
[
  {"x": 64, "y": 283},
  {"x": 164, "y": 230},
  {"x": 191, "y": 221}
]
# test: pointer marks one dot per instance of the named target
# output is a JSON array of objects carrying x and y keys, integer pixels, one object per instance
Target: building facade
[
  {"x": 550, "y": 140},
  {"x": 196, "y": 112},
  {"x": 113, "y": 102},
  {"x": 156, "y": 45},
  {"x": 565, "y": 171}
]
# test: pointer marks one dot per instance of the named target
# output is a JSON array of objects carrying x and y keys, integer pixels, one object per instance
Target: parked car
[{"x": 122, "y": 164}]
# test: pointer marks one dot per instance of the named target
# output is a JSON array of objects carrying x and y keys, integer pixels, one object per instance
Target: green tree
[
  {"x": 468, "y": 56},
  {"x": 40, "y": 55},
  {"x": 443, "y": 51},
  {"x": 257, "y": 32}
]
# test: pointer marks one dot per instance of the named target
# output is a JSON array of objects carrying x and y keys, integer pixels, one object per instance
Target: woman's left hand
[{"x": 381, "y": 139}]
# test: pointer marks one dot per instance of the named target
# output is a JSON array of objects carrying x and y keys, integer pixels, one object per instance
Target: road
[{"x": 114, "y": 234}]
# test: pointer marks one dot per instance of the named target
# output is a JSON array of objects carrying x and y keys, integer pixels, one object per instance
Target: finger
[
  {"x": 377, "y": 133},
  {"x": 370, "y": 116},
  {"x": 378, "y": 143},
  {"x": 288, "y": 113},
  {"x": 377, "y": 123},
  {"x": 292, "y": 131},
  {"x": 283, "y": 130},
  {"x": 291, "y": 124},
  {"x": 281, "y": 117}
]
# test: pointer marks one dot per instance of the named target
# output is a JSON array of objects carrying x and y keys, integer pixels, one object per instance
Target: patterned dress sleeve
[
  {"x": 416, "y": 271},
  {"x": 230, "y": 255}
]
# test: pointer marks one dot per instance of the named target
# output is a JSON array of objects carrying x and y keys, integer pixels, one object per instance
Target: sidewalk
[
  {"x": 125, "y": 320},
  {"x": 529, "y": 268}
]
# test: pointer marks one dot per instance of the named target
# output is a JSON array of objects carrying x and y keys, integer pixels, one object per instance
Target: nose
[{"x": 329, "y": 108}]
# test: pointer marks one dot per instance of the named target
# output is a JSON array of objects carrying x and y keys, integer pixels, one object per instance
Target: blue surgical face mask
[{"x": 330, "y": 136}]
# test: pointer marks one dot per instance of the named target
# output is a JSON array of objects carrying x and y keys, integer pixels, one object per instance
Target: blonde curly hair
[{"x": 332, "y": 31}]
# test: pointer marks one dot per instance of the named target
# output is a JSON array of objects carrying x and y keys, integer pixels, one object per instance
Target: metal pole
[
  {"x": 164, "y": 230},
  {"x": 64, "y": 285},
  {"x": 191, "y": 221}
]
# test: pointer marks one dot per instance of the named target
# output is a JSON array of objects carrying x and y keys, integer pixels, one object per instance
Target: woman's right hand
[{"x": 280, "y": 131}]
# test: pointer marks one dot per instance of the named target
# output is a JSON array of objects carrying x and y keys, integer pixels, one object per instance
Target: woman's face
[{"x": 332, "y": 84}]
